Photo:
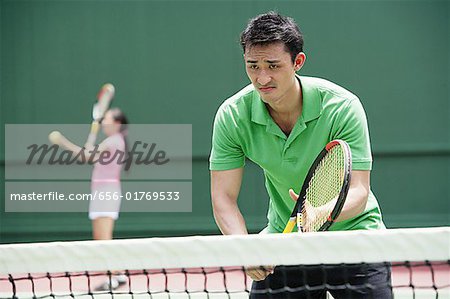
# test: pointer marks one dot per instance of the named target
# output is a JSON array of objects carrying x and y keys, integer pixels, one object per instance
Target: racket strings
[{"x": 323, "y": 189}]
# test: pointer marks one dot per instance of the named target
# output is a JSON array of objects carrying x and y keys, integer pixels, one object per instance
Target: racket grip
[
  {"x": 95, "y": 127},
  {"x": 290, "y": 225},
  {"x": 300, "y": 222}
]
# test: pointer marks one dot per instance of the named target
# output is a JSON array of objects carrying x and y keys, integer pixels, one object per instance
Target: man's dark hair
[{"x": 272, "y": 27}]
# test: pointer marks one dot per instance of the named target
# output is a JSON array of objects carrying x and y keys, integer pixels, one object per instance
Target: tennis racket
[
  {"x": 324, "y": 190},
  {"x": 104, "y": 97}
]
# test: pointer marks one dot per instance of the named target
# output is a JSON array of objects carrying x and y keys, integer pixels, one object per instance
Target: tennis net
[{"x": 214, "y": 266}]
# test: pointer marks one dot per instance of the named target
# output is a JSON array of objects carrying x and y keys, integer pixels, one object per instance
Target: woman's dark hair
[
  {"x": 120, "y": 117},
  {"x": 272, "y": 27}
]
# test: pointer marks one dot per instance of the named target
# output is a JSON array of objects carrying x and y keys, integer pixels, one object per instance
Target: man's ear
[{"x": 299, "y": 61}]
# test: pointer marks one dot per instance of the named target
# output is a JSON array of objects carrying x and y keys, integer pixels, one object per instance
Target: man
[{"x": 281, "y": 122}]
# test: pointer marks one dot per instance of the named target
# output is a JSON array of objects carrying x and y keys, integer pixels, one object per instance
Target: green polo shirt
[{"x": 243, "y": 128}]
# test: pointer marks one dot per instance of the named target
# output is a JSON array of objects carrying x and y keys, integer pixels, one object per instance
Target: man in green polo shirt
[{"x": 281, "y": 122}]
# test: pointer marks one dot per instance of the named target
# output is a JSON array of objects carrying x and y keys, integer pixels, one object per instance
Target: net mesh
[
  {"x": 214, "y": 266},
  {"x": 323, "y": 189}
]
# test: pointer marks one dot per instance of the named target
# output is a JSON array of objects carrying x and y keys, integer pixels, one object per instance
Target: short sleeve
[
  {"x": 351, "y": 126},
  {"x": 226, "y": 152}
]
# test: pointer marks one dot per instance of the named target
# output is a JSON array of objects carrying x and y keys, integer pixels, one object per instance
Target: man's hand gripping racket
[
  {"x": 324, "y": 190},
  {"x": 321, "y": 198}
]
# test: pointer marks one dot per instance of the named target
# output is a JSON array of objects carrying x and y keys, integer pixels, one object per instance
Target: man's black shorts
[{"x": 342, "y": 281}]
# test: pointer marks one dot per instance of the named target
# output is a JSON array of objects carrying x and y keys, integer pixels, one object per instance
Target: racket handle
[
  {"x": 95, "y": 127},
  {"x": 300, "y": 222},
  {"x": 290, "y": 225}
]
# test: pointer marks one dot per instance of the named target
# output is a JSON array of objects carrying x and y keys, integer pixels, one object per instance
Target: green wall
[{"x": 176, "y": 61}]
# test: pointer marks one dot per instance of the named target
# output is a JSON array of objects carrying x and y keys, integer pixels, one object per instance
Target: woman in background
[{"x": 105, "y": 181}]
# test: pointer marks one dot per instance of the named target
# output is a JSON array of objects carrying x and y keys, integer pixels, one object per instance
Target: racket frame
[
  {"x": 297, "y": 215},
  {"x": 104, "y": 98}
]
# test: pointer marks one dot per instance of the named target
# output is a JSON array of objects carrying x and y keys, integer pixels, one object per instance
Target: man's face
[{"x": 271, "y": 70}]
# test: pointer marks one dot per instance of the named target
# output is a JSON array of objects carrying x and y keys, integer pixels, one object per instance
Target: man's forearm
[
  {"x": 229, "y": 218},
  {"x": 354, "y": 205}
]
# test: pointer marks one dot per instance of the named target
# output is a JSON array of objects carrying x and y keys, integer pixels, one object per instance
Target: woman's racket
[
  {"x": 104, "y": 97},
  {"x": 324, "y": 190}
]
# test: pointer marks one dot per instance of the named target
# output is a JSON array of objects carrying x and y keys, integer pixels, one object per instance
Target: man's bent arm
[
  {"x": 225, "y": 187},
  {"x": 357, "y": 196}
]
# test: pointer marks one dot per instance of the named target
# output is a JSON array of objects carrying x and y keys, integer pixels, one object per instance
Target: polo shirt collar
[
  {"x": 312, "y": 101},
  {"x": 260, "y": 115},
  {"x": 311, "y": 109}
]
